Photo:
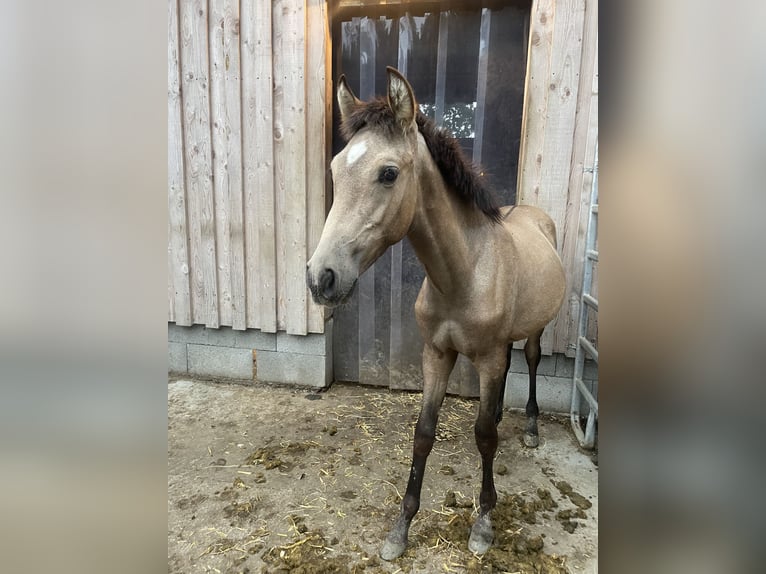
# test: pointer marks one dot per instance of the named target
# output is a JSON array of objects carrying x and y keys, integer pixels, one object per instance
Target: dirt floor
[{"x": 272, "y": 479}]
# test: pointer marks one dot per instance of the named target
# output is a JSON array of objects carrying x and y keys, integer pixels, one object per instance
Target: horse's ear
[
  {"x": 400, "y": 98},
  {"x": 347, "y": 101}
]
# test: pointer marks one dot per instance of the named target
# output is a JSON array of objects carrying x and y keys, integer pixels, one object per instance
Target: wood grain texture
[
  {"x": 258, "y": 164},
  {"x": 318, "y": 110},
  {"x": 563, "y": 89},
  {"x": 197, "y": 157},
  {"x": 583, "y": 152},
  {"x": 178, "y": 254},
  {"x": 248, "y": 145},
  {"x": 264, "y": 154},
  {"x": 170, "y": 279},
  {"x": 227, "y": 159},
  {"x": 535, "y": 100},
  {"x": 279, "y": 7},
  {"x": 553, "y": 74},
  {"x": 293, "y": 212},
  {"x": 238, "y": 237}
]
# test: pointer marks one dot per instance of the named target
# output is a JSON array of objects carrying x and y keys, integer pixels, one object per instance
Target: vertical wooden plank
[
  {"x": 264, "y": 168},
  {"x": 279, "y": 8},
  {"x": 561, "y": 110},
  {"x": 249, "y": 37},
  {"x": 178, "y": 260},
  {"x": 258, "y": 163},
  {"x": 481, "y": 87},
  {"x": 294, "y": 212},
  {"x": 237, "y": 229},
  {"x": 227, "y": 159},
  {"x": 171, "y": 288},
  {"x": 563, "y": 88},
  {"x": 535, "y": 100},
  {"x": 197, "y": 155},
  {"x": 220, "y": 121},
  {"x": 318, "y": 109},
  {"x": 172, "y": 141},
  {"x": 583, "y": 152}
]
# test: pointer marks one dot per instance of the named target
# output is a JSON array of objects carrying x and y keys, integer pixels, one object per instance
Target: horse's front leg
[
  {"x": 437, "y": 366},
  {"x": 491, "y": 377}
]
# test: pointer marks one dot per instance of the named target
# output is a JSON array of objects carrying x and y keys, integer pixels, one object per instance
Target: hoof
[
  {"x": 392, "y": 550},
  {"x": 481, "y": 535},
  {"x": 531, "y": 440}
]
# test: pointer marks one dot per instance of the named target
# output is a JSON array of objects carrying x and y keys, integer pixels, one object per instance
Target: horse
[{"x": 493, "y": 274}]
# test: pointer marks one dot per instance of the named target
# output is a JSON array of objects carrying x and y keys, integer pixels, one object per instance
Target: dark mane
[{"x": 456, "y": 169}]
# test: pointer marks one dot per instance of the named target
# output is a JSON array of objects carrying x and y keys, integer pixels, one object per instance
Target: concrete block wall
[
  {"x": 249, "y": 355},
  {"x": 307, "y": 361},
  {"x": 554, "y": 382}
]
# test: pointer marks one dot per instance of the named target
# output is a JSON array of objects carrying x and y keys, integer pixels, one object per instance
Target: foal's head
[{"x": 374, "y": 189}]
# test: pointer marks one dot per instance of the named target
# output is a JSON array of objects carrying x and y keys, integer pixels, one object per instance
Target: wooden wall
[
  {"x": 559, "y": 133},
  {"x": 248, "y": 140},
  {"x": 248, "y": 102}
]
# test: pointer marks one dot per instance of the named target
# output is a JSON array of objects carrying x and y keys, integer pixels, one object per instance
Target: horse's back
[{"x": 529, "y": 215}]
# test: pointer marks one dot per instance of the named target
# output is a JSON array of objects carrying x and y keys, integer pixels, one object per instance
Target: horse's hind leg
[
  {"x": 437, "y": 367},
  {"x": 532, "y": 355},
  {"x": 501, "y": 397}
]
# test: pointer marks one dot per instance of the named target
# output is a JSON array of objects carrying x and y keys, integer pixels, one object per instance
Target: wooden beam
[
  {"x": 227, "y": 159},
  {"x": 197, "y": 156},
  {"x": 258, "y": 164},
  {"x": 293, "y": 209},
  {"x": 318, "y": 111},
  {"x": 178, "y": 260}
]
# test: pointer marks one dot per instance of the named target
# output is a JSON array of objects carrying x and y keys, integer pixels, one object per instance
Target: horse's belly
[
  {"x": 466, "y": 334},
  {"x": 450, "y": 335}
]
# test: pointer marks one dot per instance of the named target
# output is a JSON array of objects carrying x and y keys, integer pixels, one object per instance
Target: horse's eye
[{"x": 388, "y": 175}]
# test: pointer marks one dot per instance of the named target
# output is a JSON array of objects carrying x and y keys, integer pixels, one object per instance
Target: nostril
[{"x": 327, "y": 282}]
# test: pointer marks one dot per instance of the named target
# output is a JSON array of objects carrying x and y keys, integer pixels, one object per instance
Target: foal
[{"x": 493, "y": 274}]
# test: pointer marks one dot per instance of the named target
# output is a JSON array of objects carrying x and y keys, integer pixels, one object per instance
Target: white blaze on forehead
[{"x": 355, "y": 152}]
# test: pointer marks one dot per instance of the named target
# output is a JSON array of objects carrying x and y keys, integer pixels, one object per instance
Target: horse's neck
[{"x": 445, "y": 232}]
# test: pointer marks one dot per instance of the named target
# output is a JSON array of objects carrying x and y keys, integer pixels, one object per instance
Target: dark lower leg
[
  {"x": 425, "y": 432},
  {"x": 533, "y": 356},
  {"x": 501, "y": 398},
  {"x": 486, "y": 440},
  {"x": 437, "y": 366}
]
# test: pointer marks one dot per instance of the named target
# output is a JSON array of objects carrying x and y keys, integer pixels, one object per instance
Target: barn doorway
[{"x": 466, "y": 62}]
